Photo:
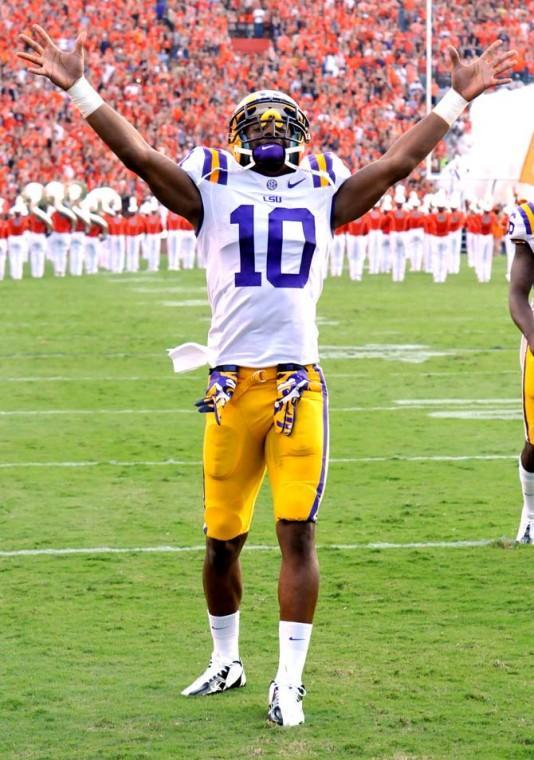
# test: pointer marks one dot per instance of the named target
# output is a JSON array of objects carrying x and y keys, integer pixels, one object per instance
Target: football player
[
  {"x": 264, "y": 214},
  {"x": 521, "y": 232}
]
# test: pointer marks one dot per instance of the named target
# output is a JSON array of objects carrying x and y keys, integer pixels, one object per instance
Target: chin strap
[{"x": 289, "y": 152}]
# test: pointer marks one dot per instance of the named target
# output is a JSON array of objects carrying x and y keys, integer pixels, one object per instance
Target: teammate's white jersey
[
  {"x": 521, "y": 224},
  {"x": 265, "y": 242}
]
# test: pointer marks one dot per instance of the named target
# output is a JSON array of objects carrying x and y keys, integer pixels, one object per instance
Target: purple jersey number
[{"x": 247, "y": 276}]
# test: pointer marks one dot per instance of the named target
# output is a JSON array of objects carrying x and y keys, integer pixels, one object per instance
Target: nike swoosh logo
[
  {"x": 292, "y": 638},
  {"x": 294, "y": 184}
]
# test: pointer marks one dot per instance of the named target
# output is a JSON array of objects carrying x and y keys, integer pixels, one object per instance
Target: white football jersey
[
  {"x": 521, "y": 224},
  {"x": 265, "y": 243}
]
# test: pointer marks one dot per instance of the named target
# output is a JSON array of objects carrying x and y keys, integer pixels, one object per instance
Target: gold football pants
[{"x": 238, "y": 452}]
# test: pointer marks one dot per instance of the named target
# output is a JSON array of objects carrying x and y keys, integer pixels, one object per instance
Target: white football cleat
[
  {"x": 526, "y": 535},
  {"x": 285, "y": 704},
  {"x": 218, "y": 677}
]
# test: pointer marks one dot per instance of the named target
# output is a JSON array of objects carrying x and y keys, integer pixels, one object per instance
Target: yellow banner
[{"x": 527, "y": 172}]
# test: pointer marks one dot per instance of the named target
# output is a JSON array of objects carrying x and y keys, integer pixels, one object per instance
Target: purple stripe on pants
[{"x": 324, "y": 461}]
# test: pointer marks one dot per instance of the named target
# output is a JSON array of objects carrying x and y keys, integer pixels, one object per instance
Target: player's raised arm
[
  {"x": 169, "y": 183},
  {"x": 521, "y": 282},
  {"x": 362, "y": 190}
]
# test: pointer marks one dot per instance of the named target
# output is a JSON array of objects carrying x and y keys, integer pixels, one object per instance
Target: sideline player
[
  {"x": 264, "y": 217},
  {"x": 521, "y": 232}
]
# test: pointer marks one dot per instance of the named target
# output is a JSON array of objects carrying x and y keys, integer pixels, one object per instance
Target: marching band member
[
  {"x": 337, "y": 251},
  {"x": 456, "y": 224},
  {"x": 357, "y": 236},
  {"x": 398, "y": 235},
  {"x": 484, "y": 254},
  {"x": 416, "y": 227},
  {"x": 174, "y": 238},
  {"x": 17, "y": 240},
  {"x": 133, "y": 231},
  {"x": 63, "y": 221},
  {"x": 440, "y": 227},
  {"x": 188, "y": 244},
  {"x": 39, "y": 224},
  {"x": 76, "y": 192},
  {"x": 385, "y": 227},
  {"x": 472, "y": 230},
  {"x": 374, "y": 243},
  {"x": 3, "y": 238},
  {"x": 98, "y": 230},
  {"x": 153, "y": 230}
]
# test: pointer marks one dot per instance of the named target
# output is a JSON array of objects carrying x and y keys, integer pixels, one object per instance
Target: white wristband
[
  {"x": 450, "y": 106},
  {"x": 84, "y": 97}
]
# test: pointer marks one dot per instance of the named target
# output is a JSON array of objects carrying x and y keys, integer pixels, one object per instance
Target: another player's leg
[{"x": 525, "y": 533}]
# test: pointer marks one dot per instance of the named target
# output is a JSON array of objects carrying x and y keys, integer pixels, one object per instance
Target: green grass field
[{"x": 418, "y": 651}]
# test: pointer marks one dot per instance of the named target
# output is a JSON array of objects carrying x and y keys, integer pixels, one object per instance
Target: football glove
[
  {"x": 290, "y": 386},
  {"x": 221, "y": 387}
]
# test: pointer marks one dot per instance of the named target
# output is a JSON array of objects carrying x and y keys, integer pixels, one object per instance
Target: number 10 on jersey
[{"x": 243, "y": 216}]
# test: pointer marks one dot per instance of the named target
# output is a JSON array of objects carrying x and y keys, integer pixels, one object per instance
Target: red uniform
[
  {"x": 153, "y": 224},
  {"x": 457, "y": 219},
  {"x": 94, "y": 230},
  {"x": 115, "y": 224},
  {"x": 441, "y": 221},
  {"x": 134, "y": 225},
  {"x": 359, "y": 226},
  {"x": 374, "y": 219},
  {"x": 399, "y": 220},
  {"x": 386, "y": 224},
  {"x": 472, "y": 223},
  {"x": 487, "y": 220},
  {"x": 416, "y": 220},
  {"x": 174, "y": 221},
  {"x": 17, "y": 225},
  {"x": 36, "y": 225},
  {"x": 61, "y": 223}
]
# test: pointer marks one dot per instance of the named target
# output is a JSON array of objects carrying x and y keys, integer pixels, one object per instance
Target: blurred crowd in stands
[{"x": 357, "y": 69}]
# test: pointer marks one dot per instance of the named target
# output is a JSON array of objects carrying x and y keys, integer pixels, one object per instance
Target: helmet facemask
[{"x": 260, "y": 116}]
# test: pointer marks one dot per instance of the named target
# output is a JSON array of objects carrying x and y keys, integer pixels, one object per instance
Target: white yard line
[
  {"x": 196, "y": 375},
  {"x": 40, "y": 412},
  {"x": 334, "y": 460},
  {"x": 399, "y": 406},
  {"x": 253, "y": 548},
  {"x": 102, "y": 378}
]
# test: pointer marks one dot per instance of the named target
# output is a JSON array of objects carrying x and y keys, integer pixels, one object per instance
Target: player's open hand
[
  {"x": 471, "y": 79},
  {"x": 49, "y": 61}
]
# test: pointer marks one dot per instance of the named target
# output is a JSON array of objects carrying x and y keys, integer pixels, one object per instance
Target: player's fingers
[
  {"x": 31, "y": 42},
  {"x": 489, "y": 51},
  {"x": 42, "y": 35},
  {"x": 506, "y": 57},
  {"x": 40, "y": 71},
  {"x": 29, "y": 57},
  {"x": 80, "y": 41},
  {"x": 502, "y": 68},
  {"x": 498, "y": 81},
  {"x": 453, "y": 55}
]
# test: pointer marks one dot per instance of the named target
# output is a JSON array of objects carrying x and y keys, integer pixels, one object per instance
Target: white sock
[
  {"x": 527, "y": 487},
  {"x": 294, "y": 642},
  {"x": 225, "y": 634}
]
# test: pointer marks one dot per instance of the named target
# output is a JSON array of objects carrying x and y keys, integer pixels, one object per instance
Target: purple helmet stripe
[{"x": 324, "y": 461}]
